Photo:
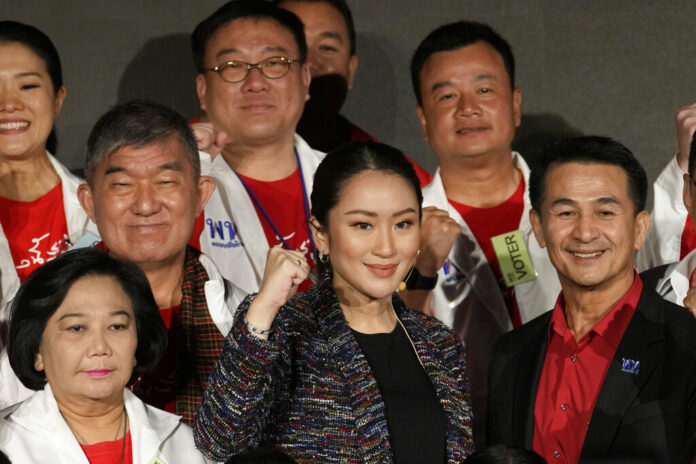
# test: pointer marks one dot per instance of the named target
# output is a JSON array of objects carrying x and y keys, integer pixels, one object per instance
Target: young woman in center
[{"x": 344, "y": 372}]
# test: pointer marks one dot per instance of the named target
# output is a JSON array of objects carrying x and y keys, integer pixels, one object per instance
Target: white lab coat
[
  {"x": 233, "y": 235},
  {"x": 667, "y": 220},
  {"x": 467, "y": 297},
  {"x": 76, "y": 219},
  {"x": 34, "y": 431},
  {"x": 221, "y": 296}
]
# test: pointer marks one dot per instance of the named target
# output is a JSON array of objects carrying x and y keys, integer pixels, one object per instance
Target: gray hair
[{"x": 137, "y": 123}]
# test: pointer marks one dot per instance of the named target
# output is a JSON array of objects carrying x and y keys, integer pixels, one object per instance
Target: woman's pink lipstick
[{"x": 98, "y": 372}]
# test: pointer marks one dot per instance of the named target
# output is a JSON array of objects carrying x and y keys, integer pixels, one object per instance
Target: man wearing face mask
[{"x": 333, "y": 61}]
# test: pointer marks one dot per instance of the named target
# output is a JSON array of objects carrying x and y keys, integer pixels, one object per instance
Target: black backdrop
[{"x": 620, "y": 68}]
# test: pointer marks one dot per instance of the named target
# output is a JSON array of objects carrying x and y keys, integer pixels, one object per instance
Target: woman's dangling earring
[{"x": 402, "y": 284}]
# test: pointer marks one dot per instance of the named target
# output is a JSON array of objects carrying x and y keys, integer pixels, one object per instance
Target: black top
[{"x": 415, "y": 418}]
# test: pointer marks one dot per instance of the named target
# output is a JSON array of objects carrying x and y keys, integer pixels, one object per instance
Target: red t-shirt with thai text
[
  {"x": 284, "y": 203},
  {"x": 486, "y": 223},
  {"x": 36, "y": 230},
  {"x": 109, "y": 452}
]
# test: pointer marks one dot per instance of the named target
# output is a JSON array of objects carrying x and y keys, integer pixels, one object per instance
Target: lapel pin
[{"x": 630, "y": 366}]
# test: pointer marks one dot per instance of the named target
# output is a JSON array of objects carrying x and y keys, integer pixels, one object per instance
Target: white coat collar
[
  {"x": 678, "y": 276},
  {"x": 434, "y": 194},
  {"x": 149, "y": 426}
]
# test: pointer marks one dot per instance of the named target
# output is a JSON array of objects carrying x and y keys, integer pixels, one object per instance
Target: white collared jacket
[
  {"x": 667, "y": 219},
  {"x": 34, "y": 431}
]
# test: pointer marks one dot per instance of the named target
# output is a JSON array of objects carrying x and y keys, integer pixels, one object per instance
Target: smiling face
[
  {"x": 257, "y": 110},
  {"x": 144, "y": 201},
  {"x": 469, "y": 108},
  {"x": 372, "y": 236},
  {"x": 87, "y": 349},
  {"x": 28, "y": 102},
  {"x": 328, "y": 42},
  {"x": 589, "y": 226}
]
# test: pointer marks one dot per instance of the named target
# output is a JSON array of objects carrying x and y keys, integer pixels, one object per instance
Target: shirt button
[
  {"x": 556, "y": 454},
  {"x": 573, "y": 357},
  {"x": 564, "y": 406}
]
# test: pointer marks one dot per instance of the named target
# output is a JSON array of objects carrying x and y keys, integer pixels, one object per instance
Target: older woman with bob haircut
[
  {"x": 344, "y": 372},
  {"x": 82, "y": 328}
]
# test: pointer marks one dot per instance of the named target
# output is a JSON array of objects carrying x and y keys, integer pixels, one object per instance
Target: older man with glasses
[{"x": 253, "y": 82}]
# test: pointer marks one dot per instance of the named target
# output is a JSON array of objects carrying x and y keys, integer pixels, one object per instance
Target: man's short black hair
[
  {"x": 343, "y": 8},
  {"x": 44, "y": 291},
  {"x": 135, "y": 124},
  {"x": 245, "y": 9},
  {"x": 453, "y": 37},
  {"x": 589, "y": 150}
]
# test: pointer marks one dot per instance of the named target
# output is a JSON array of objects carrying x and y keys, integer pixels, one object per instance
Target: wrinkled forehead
[{"x": 250, "y": 35}]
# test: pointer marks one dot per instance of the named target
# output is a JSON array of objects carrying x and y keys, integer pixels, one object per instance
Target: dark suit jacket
[{"x": 650, "y": 414}]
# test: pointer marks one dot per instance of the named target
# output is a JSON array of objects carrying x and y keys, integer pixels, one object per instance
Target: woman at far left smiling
[{"x": 40, "y": 216}]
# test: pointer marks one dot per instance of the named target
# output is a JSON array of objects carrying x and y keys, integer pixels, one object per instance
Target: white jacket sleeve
[{"x": 663, "y": 243}]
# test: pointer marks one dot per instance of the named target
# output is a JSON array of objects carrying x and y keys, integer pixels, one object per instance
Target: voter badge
[{"x": 513, "y": 257}]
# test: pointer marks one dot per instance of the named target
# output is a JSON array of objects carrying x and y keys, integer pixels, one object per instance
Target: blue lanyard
[{"x": 305, "y": 203}]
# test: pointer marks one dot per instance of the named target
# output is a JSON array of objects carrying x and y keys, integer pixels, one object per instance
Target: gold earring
[{"x": 402, "y": 284}]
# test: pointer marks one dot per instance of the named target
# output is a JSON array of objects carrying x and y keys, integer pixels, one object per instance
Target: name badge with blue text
[{"x": 513, "y": 257}]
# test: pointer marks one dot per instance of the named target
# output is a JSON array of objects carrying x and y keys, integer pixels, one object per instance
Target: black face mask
[{"x": 320, "y": 125}]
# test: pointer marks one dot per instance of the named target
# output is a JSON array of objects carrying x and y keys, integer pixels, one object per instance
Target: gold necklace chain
[{"x": 124, "y": 422}]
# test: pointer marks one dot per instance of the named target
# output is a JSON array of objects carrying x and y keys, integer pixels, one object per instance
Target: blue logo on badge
[
  {"x": 219, "y": 228},
  {"x": 630, "y": 366},
  {"x": 452, "y": 273}
]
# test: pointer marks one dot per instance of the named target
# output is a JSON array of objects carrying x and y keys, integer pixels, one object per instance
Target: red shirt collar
[{"x": 611, "y": 327}]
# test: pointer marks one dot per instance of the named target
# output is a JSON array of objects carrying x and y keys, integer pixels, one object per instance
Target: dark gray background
[{"x": 620, "y": 68}]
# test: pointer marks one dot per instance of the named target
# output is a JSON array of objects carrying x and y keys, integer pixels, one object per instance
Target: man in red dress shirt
[{"x": 610, "y": 372}]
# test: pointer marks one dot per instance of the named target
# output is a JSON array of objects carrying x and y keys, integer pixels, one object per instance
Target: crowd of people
[{"x": 267, "y": 282}]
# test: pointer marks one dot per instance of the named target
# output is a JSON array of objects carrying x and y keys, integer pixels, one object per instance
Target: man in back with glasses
[{"x": 252, "y": 84}]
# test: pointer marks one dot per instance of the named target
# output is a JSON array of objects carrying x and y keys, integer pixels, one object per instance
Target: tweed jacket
[{"x": 310, "y": 390}]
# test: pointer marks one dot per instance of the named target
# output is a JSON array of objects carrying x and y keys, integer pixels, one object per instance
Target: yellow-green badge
[
  {"x": 156, "y": 461},
  {"x": 513, "y": 257}
]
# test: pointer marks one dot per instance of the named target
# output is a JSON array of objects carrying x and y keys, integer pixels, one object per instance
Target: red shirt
[
  {"x": 36, "y": 230},
  {"x": 572, "y": 376},
  {"x": 490, "y": 222},
  {"x": 109, "y": 452},
  {"x": 688, "y": 238},
  {"x": 284, "y": 203},
  {"x": 158, "y": 386}
]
